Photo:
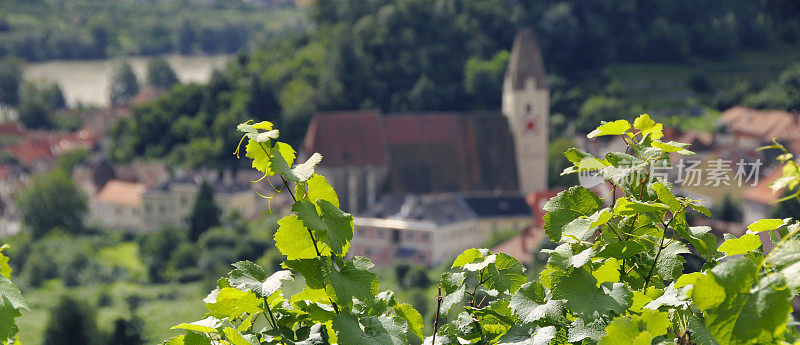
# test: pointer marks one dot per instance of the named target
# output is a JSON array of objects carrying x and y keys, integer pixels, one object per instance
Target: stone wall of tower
[{"x": 528, "y": 113}]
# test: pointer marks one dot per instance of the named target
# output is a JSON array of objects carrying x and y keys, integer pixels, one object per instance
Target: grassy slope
[{"x": 664, "y": 86}]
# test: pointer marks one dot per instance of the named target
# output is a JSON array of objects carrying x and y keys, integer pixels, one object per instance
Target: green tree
[
  {"x": 483, "y": 79},
  {"x": 128, "y": 331},
  {"x": 787, "y": 209},
  {"x": 10, "y": 81},
  {"x": 72, "y": 322},
  {"x": 730, "y": 211},
  {"x": 205, "y": 213},
  {"x": 34, "y": 114},
  {"x": 160, "y": 75},
  {"x": 52, "y": 200},
  {"x": 186, "y": 37},
  {"x": 124, "y": 84},
  {"x": 556, "y": 163}
]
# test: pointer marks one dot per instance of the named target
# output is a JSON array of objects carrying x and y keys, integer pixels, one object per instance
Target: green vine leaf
[
  {"x": 566, "y": 207},
  {"x": 294, "y": 240}
]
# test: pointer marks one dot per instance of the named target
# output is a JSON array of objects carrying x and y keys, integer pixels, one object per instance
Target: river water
[{"x": 87, "y": 81}]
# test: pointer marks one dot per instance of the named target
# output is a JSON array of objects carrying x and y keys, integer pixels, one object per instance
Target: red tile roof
[
  {"x": 11, "y": 129},
  {"x": 761, "y": 193},
  {"x": 347, "y": 138},
  {"x": 31, "y": 151},
  {"x": 122, "y": 193},
  {"x": 762, "y": 124}
]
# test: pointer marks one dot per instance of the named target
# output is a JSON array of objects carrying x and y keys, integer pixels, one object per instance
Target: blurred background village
[{"x": 442, "y": 125}]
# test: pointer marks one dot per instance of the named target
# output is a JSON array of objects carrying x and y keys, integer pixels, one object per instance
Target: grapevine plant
[
  {"x": 616, "y": 275},
  {"x": 11, "y": 302}
]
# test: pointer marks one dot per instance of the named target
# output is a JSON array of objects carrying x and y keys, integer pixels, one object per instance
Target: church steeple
[
  {"x": 525, "y": 62},
  {"x": 526, "y": 104}
]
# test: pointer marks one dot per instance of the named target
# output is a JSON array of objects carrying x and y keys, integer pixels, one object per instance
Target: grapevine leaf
[
  {"x": 566, "y": 207},
  {"x": 609, "y": 271},
  {"x": 741, "y": 245},
  {"x": 251, "y": 277},
  {"x": 469, "y": 256},
  {"x": 506, "y": 274},
  {"x": 636, "y": 329},
  {"x": 354, "y": 280},
  {"x": 452, "y": 299},
  {"x": 319, "y": 188},
  {"x": 580, "y": 330},
  {"x": 5, "y": 269},
  {"x": 383, "y": 330},
  {"x": 412, "y": 317},
  {"x": 621, "y": 249},
  {"x": 340, "y": 227},
  {"x": 575, "y": 155},
  {"x": 671, "y": 297},
  {"x": 8, "y": 313},
  {"x": 236, "y": 338},
  {"x": 311, "y": 269},
  {"x": 528, "y": 335},
  {"x": 645, "y": 124},
  {"x": 748, "y": 314},
  {"x": 640, "y": 299},
  {"x": 294, "y": 241},
  {"x": 10, "y": 292},
  {"x": 673, "y": 146},
  {"x": 610, "y": 128},
  {"x": 582, "y": 228},
  {"x": 451, "y": 281},
  {"x": 207, "y": 325},
  {"x": 786, "y": 253},
  {"x": 628, "y": 207},
  {"x": 304, "y": 171},
  {"x": 766, "y": 225},
  {"x": 700, "y": 334},
  {"x": 530, "y": 303},
  {"x": 584, "y": 299},
  {"x": 232, "y": 302},
  {"x": 563, "y": 257},
  {"x": 665, "y": 195},
  {"x": 670, "y": 262}
]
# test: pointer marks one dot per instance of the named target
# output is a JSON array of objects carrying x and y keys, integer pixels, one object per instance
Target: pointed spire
[{"x": 526, "y": 61}]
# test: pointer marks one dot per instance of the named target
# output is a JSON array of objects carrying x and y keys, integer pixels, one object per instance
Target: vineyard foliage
[
  {"x": 616, "y": 275},
  {"x": 11, "y": 302}
]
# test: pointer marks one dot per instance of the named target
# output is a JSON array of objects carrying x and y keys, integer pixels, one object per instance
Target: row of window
[{"x": 408, "y": 235}]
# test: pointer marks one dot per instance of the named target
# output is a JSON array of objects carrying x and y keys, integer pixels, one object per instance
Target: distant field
[
  {"x": 665, "y": 87},
  {"x": 163, "y": 306}
]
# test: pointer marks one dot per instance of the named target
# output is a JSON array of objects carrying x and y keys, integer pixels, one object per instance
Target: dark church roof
[
  {"x": 347, "y": 138},
  {"x": 425, "y": 152},
  {"x": 526, "y": 61}
]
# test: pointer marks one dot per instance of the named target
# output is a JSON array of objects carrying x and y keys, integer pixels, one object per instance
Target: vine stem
[
  {"x": 271, "y": 316},
  {"x": 310, "y": 233},
  {"x": 436, "y": 317},
  {"x": 660, "y": 247}
]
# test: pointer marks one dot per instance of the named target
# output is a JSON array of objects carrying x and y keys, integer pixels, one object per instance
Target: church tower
[{"x": 526, "y": 104}]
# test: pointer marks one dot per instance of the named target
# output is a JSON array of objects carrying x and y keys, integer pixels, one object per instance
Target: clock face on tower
[{"x": 530, "y": 125}]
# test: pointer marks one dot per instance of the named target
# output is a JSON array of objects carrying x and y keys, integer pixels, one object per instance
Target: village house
[
  {"x": 118, "y": 206},
  {"x": 429, "y": 229}
]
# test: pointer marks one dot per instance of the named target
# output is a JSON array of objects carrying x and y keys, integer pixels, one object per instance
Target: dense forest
[
  {"x": 417, "y": 55},
  {"x": 95, "y": 29}
]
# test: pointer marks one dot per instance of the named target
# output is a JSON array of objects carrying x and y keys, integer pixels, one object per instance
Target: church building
[{"x": 369, "y": 155}]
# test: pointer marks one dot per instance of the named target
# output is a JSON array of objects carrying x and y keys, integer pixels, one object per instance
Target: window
[
  {"x": 426, "y": 237},
  {"x": 361, "y": 232},
  {"x": 409, "y": 235},
  {"x": 381, "y": 233},
  {"x": 527, "y": 108}
]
